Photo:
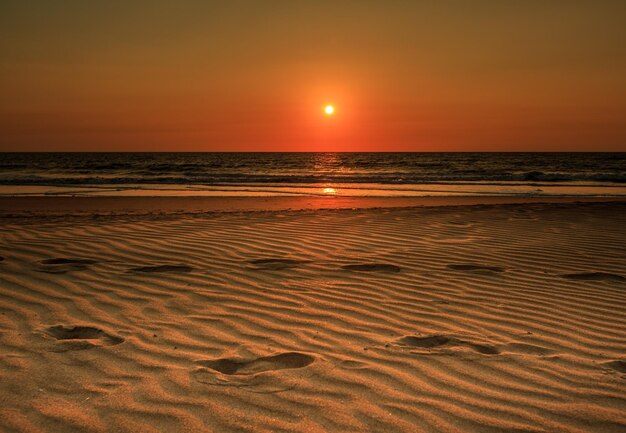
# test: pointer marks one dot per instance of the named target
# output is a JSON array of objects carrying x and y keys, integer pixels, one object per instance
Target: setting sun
[{"x": 422, "y": 201}]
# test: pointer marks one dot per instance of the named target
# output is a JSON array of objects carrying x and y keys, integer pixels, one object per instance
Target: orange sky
[{"x": 254, "y": 75}]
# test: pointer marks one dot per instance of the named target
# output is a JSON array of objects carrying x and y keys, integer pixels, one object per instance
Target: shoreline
[{"x": 17, "y": 207}]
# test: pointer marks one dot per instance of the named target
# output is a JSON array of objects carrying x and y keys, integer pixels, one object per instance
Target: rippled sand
[{"x": 494, "y": 318}]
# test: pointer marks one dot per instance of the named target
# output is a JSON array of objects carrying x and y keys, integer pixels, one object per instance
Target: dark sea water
[{"x": 305, "y": 173}]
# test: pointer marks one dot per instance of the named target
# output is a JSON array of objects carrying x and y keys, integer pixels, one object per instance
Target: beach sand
[{"x": 485, "y": 318}]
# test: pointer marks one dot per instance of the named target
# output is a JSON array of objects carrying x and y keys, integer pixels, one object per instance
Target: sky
[{"x": 240, "y": 75}]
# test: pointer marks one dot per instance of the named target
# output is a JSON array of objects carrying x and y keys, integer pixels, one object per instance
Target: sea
[{"x": 313, "y": 174}]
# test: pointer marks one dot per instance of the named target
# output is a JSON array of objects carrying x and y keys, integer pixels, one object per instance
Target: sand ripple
[{"x": 460, "y": 319}]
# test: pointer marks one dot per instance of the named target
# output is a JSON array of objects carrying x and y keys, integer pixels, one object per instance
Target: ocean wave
[
  {"x": 290, "y": 168},
  {"x": 533, "y": 178}
]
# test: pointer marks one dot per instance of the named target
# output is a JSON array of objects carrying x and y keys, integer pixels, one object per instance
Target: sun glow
[
  {"x": 329, "y": 191},
  {"x": 329, "y": 110}
]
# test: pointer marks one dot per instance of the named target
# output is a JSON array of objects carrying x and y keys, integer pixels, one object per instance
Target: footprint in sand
[
  {"x": 275, "y": 264},
  {"x": 425, "y": 342},
  {"x": 266, "y": 374},
  {"x": 594, "y": 276},
  {"x": 162, "y": 268},
  {"x": 372, "y": 267},
  {"x": 81, "y": 337},
  {"x": 485, "y": 349},
  {"x": 434, "y": 341},
  {"x": 282, "y": 361},
  {"x": 62, "y": 265},
  {"x": 617, "y": 365},
  {"x": 474, "y": 267}
]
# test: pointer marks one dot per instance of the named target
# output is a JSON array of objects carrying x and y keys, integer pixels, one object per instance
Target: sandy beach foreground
[{"x": 488, "y": 318}]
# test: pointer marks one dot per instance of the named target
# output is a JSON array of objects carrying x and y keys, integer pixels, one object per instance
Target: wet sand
[{"x": 45, "y": 206}]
